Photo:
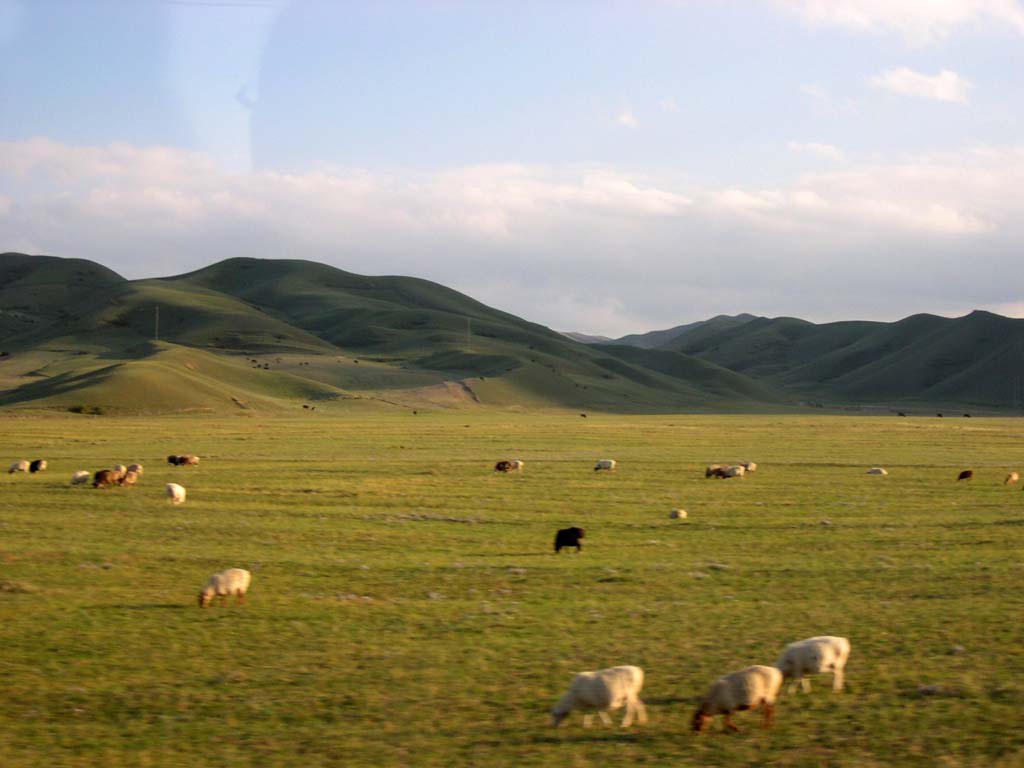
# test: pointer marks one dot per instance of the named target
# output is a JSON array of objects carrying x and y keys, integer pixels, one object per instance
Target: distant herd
[{"x": 599, "y": 691}]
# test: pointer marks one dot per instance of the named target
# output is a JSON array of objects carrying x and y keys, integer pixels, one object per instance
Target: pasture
[{"x": 407, "y": 607}]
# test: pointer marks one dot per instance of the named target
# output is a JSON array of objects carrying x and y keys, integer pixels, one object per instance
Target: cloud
[
  {"x": 945, "y": 86},
  {"x": 577, "y": 248},
  {"x": 824, "y": 100},
  {"x": 918, "y": 21},
  {"x": 668, "y": 105},
  {"x": 627, "y": 118},
  {"x": 825, "y": 151}
]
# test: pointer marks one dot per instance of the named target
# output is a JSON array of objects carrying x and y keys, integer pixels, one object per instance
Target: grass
[{"x": 406, "y": 607}]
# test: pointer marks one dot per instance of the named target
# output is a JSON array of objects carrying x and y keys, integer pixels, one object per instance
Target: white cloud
[
  {"x": 668, "y": 105},
  {"x": 627, "y": 118},
  {"x": 825, "y": 151},
  {"x": 590, "y": 249},
  {"x": 918, "y": 21},
  {"x": 825, "y": 101},
  {"x": 945, "y": 86}
]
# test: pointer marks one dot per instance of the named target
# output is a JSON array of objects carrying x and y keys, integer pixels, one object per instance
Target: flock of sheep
[{"x": 604, "y": 690}]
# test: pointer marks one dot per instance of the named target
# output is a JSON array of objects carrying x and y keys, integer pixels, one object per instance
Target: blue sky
[{"x": 599, "y": 166}]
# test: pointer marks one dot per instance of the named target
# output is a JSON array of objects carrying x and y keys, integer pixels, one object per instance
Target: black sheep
[{"x": 568, "y": 537}]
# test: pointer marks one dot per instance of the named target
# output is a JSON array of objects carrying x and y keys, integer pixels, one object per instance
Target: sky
[{"x": 604, "y": 167}]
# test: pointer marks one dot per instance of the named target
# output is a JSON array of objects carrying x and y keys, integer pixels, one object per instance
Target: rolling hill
[{"x": 271, "y": 332}]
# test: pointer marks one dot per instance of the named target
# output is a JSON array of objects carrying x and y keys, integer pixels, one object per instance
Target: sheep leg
[
  {"x": 241, "y": 598},
  {"x": 769, "y": 715},
  {"x": 605, "y": 717},
  {"x": 793, "y": 685},
  {"x": 837, "y": 680},
  {"x": 628, "y": 719},
  {"x": 641, "y": 711},
  {"x": 805, "y": 683},
  {"x": 729, "y": 724},
  {"x": 587, "y": 720}
]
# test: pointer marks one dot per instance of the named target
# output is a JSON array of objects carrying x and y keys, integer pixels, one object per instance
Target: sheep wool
[
  {"x": 606, "y": 464},
  {"x": 18, "y": 466},
  {"x": 81, "y": 477},
  {"x": 233, "y": 581},
  {"x": 602, "y": 691},
  {"x": 813, "y": 656},
  {"x": 175, "y": 493},
  {"x": 749, "y": 688}
]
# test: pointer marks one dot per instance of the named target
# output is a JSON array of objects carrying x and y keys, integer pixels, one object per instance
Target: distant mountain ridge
[{"x": 260, "y": 334}]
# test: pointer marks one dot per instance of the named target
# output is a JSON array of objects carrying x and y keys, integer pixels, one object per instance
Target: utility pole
[{"x": 156, "y": 325}]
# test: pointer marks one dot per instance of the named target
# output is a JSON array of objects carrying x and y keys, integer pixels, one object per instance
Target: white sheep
[
  {"x": 735, "y": 471},
  {"x": 602, "y": 691},
  {"x": 517, "y": 465},
  {"x": 876, "y": 471},
  {"x": 812, "y": 656},
  {"x": 119, "y": 470},
  {"x": 750, "y": 466},
  {"x": 19, "y": 466},
  {"x": 81, "y": 477},
  {"x": 606, "y": 464},
  {"x": 136, "y": 468},
  {"x": 1011, "y": 478},
  {"x": 128, "y": 478},
  {"x": 233, "y": 581},
  {"x": 677, "y": 514},
  {"x": 749, "y": 688},
  {"x": 175, "y": 493}
]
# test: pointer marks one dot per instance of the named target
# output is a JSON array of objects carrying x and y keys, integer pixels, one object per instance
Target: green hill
[
  {"x": 671, "y": 337},
  {"x": 382, "y": 339}
]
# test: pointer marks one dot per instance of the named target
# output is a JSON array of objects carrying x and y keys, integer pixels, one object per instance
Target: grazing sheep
[
  {"x": 602, "y": 691},
  {"x": 677, "y": 514},
  {"x": 175, "y": 493},
  {"x": 1011, "y": 478},
  {"x": 136, "y": 468},
  {"x": 967, "y": 474},
  {"x": 605, "y": 464},
  {"x": 39, "y": 465},
  {"x": 81, "y": 477},
  {"x": 172, "y": 459},
  {"x": 517, "y": 465},
  {"x": 749, "y": 688},
  {"x": 714, "y": 470},
  {"x": 503, "y": 466},
  {"x": 189, "y": 460},
  {"x": 18, "y": 466},
  {"x": 119, "y": 470},
  {"x": 105, "y": 478},
  {"x": 877, "y": 471},
  {"x": 813, "y": 656},
  {"x": 735, "y": 471},
  {"x": 750, "y": 466},
  {"x": 568, "y": 537},
  {"x": 233, "y": 581},
  {"x": 128, "y": 478}
]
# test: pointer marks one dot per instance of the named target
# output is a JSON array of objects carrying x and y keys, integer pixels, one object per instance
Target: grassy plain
[{"x": 407, "y": 609}]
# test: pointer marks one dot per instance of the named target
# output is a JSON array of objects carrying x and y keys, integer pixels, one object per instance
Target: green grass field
[{"x": 407, "y": 608}]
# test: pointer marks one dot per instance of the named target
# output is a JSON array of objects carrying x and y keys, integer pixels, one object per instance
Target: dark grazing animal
[
  {"x": 39, "y": 465},
  {"x": 503, "y": 466},
  {"x": 967, "y": 474},
  {"x": 568, "y": 537},
  {"x": 186, "y": 460},
  {"x": 105, "y": 478}
]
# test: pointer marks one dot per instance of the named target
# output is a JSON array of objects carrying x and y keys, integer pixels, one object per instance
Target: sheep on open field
[
  {"x": 714, "y": 470},
  {"x": 605, "y": 464},
  {"x": 119, "y": 470},
  {"x": 81, "y": 477},
  {"x": 39, "y": 465},
  {"x": 750, "y": 466},
  {"x": 128, "y": 478},
  {"x": 734, "y": 471},
  {"x": 877, "y": 471},
  {"x": 517, "y": 465},
  {"x": 19, "y": 466},
  {"x": 172, "y": 459},
  {"x": 677, "y": 514},
  {"x": 967, "y": 474},
  {"x": 136, "y": 468},
  {"x": 1011, "y": 478},
  {"x": 568, "y": 537},
  {"x": 813, "y": 656},
  {"x": 104, "y": 478},
  {"x": 749, "y": 688},
  {"x": 602, "y": 691},
  {"x": 503, "y": 466},
  {"x": 188, "y": 460},
  {"x": 175, "y": 493},
  {"x": 233, "y": 581}
]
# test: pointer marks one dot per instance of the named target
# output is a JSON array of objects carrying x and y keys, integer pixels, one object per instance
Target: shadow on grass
[
  {"x": 593, "y": 735},
  {"x": 145, "y": 607},
  {"x": 668, "y": 700}
]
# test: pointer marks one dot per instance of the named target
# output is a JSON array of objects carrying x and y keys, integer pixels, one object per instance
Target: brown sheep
[
  {"x": 967, "y": 474},
  {"x": 105, "y": 478}
]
